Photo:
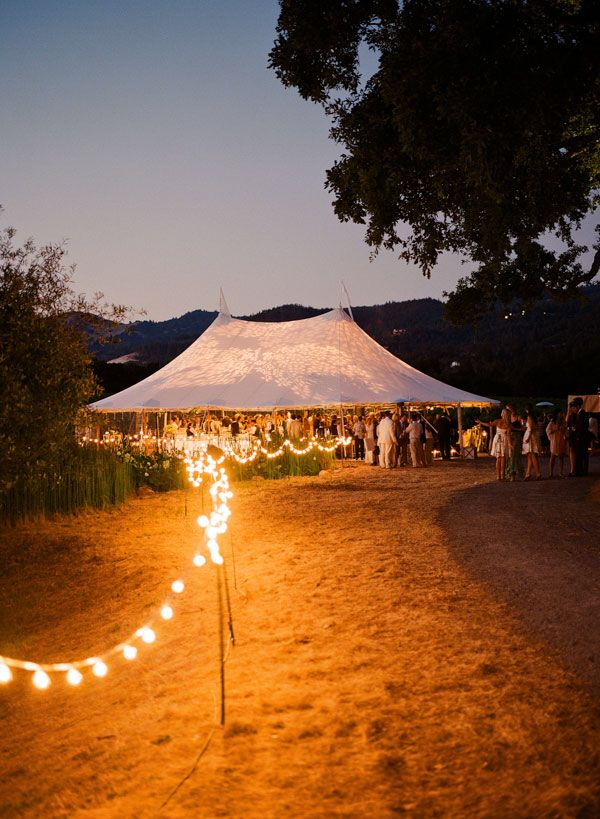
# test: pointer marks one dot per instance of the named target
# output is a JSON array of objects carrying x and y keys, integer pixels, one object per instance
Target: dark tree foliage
[
  {"x": 45, "y": 374},
  {"x": 478, "y": 132}
]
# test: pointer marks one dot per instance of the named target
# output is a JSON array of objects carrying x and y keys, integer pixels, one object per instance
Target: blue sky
[{"x": 152, "y": 137}]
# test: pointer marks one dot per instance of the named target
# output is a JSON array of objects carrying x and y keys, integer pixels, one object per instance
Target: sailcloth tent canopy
[{"x": 316, "y": 362}]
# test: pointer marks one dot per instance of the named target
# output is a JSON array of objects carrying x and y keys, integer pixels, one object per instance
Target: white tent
[{"x": 317, "y": 362}]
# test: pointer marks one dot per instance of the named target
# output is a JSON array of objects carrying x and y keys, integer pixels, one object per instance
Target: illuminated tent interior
[{"x": 316, "y": 362}]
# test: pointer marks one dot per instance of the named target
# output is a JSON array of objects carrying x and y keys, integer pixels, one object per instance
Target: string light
[
  {"x": 41, "y": 680},
  {"x": 212, "y": 526},
  {"x": 74, "y": 677},
  {"x": 146, "y": 634},
  {"x": 100, "y": 669},
  {"x": 5, "y": 673}
]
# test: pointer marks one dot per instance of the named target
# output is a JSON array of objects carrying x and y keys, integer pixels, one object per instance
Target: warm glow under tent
[{"x": 316, "y": 362}]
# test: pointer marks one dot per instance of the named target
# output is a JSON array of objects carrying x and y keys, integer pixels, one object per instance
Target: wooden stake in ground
[{"x": 221, "y": 616}]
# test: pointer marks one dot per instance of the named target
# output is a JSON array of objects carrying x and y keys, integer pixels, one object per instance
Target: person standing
[
  {"x": 582, "y": 439},
  {"x": 295, "y": 428},
  {"x": 359, "y": 432},
  {"x": 501, "y": 445},
  {"x": 370, "y": 440},
  {"x": 403, "y": 439},
  {"x": 386, "y": 438},
  {"x": 556, "y": 431},
  {"x": 514, "y": 461},
  {"x": 571, "y": 422},
  {"x": 428, "y": 445},
  {"x": 415, "y": 432},
  {"x": 531, "y": 445},
  {"x": 443, "y": 426}
]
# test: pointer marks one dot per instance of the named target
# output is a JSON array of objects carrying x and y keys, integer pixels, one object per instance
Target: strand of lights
[
  {"x": 213, "y": 526},
  {"x": 258, "y": 449},
  {"x": 313, "y": 443}
]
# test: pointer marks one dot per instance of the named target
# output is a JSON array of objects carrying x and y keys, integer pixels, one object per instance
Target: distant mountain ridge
[{"x": 549, "y": 348}]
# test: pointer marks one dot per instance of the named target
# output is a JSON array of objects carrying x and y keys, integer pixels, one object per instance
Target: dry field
[{"x": 418, "y": 642}]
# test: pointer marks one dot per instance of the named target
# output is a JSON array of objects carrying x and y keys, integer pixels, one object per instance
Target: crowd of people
[
  {"x": 394, "y": 439},
  {"x": 565, "y": 437},
  {"x": 378, "y": 438},
  {"x": 390, "y": 440},
  {"x": 294, "y": 426}
]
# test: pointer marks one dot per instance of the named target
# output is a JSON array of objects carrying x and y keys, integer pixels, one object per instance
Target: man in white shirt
[
  {"x": 415, "y": 431},
  {"x": 295, "y": 428},
  {"x": 386, "y": 440}
]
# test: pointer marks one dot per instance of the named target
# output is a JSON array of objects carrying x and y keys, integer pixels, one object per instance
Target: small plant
[{"x": 160, "y": 471}]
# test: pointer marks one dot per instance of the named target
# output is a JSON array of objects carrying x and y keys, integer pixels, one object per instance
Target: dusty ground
[{"x": 416, "y": 642}]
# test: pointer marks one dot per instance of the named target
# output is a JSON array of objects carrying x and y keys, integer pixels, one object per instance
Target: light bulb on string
[
  {"x": 41, "y": 680},
  {"x": 100, "y": 669},
  {"x": 5, "y": 673},
  {"x": 74, "y": 677},
  {"x": 147, "y": 634}
]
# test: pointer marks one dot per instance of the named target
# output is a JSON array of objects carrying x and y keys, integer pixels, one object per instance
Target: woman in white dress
[
  {"x": 370, "y": 439},
  {"x": 501, "y": 444},
  {"x": 531, "y": 446},
  {"x": 557, "y": 435}
]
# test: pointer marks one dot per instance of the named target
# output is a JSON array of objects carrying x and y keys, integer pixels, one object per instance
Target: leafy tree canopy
[
  {"x": 45, "y": 375},
  {"x": 478, "y": 132}
]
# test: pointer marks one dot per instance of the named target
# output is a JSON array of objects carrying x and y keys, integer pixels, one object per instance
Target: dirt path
[{"x": 405, "y": 646}]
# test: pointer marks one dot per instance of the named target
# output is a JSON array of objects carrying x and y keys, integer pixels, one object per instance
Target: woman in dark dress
[{"x": 514, "y": 464}]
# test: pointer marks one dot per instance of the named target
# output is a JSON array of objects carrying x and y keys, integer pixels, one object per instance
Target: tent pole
[{"x": 460, "y": 435}]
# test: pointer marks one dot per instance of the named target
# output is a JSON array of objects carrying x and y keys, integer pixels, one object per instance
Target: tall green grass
[
  {"x": 88, "y": 477},
  {"x": 286, "y": 465},
  {"x": 85, "y": 478}
]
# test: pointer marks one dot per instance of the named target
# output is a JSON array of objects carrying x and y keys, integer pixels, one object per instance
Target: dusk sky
[{"x": 153, "y": 138}]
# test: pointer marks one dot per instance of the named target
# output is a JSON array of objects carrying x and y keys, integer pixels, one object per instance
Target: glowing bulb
[
  {"x": 166, "y": 612},
  {"x": 203, "y": 521},
  {"x": 74, "y": 677},
  {"x": 41, "y": 680},
  {"x": 100, "y": 669},
  {"x": 177, "y": 586},
  {"x": 129, "y": 652},
  {"x": 199, "y": 560},
  {"x": 5, "y": 673},
  {"x": 148, "y": 635}
]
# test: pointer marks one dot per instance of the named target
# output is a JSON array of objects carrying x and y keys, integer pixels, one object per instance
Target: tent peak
[
  {"x": 344, "y": 293},
  {"x": 223, "y": 308}
]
